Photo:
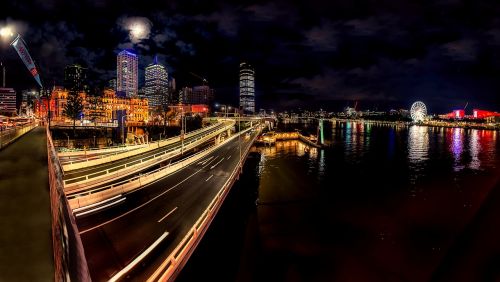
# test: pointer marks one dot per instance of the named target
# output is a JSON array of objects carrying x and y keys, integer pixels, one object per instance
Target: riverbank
[{"x": 431, "y": 123}]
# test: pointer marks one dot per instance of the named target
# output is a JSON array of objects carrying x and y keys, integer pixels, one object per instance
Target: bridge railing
[
  {"x": 170, "y": 268},
  {"x": 69, "y": 257},
  {"x": 8, "y": 136}
]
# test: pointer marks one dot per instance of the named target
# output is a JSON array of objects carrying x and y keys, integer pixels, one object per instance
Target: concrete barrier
[{"x": 70, "y": 263}]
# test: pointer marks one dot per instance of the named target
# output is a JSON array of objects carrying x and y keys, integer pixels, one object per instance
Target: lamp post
[{"x": 123, "y": 130}]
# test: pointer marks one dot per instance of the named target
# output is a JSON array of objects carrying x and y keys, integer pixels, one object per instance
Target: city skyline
[{"x": 384, "y": 56}]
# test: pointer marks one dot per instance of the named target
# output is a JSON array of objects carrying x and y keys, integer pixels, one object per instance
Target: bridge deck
[
  {"x": 25, "y": 237},
  {"x": 113, "y": 237}
]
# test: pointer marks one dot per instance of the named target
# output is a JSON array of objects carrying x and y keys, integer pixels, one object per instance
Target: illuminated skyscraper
[
  {"x": 126, "y": 74},
  {"x": 156, "y": 88},
  {"x": 75, "y": 78},
  {"x": 247, "y": 88}
]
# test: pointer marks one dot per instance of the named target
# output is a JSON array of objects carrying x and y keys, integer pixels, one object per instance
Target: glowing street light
[{"x": 6, "y": 32}]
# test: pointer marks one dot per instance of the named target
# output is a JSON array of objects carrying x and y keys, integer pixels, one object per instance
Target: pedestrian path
[{"x": 25, "y": 218}]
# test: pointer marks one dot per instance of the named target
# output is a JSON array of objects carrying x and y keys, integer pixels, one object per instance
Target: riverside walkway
[{"x": 25, "y": 218}]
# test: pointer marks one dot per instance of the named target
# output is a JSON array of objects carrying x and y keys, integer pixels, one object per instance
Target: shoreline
[{"x": 465, "y": 126}]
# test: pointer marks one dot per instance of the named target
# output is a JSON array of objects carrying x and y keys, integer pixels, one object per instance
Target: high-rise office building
[
  {"x": 75, "y": 78},
  {"x": 126, "y": 74},
  {"x": 112, "y": 84},
  {"x": 196, "y": 95},
  {"x": 247, "y": 88},
  {"x": 156, "y": 85}
]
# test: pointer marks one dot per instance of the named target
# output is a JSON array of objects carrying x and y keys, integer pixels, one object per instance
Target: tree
[{"x": 73, "y": 107}]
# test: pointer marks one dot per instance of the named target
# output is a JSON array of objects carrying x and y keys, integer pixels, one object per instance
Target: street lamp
[{"x": 183, "y": 129}]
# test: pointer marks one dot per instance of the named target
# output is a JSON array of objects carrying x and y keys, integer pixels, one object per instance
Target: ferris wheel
[{"x": 418, "y": 111}]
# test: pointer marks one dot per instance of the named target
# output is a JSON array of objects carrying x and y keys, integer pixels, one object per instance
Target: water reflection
[
  {"x": 418, "y": 145},
  {"x": 457, "y": 147},
  {"x": 474, "y": 147}
]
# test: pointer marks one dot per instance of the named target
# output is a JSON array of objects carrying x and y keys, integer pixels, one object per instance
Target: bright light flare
[{"x": 6, "y": 32}]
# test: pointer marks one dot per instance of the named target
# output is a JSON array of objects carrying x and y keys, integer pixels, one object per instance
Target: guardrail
[
  {"x": 10, "y": 135},
  {"x": 170, "y": 267},
  {"x": 69, "y": 257},
  {"x": 80, "y": 152},
  {"x": 82, "y": 164},
  {"x": 100, "y": 177},
  {"x": 102, "y": 193}
]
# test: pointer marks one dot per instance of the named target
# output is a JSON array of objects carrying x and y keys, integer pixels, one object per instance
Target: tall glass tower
[
  {"x": 247, "y": 88},
  {"x": 156, "y": 87},
  {"x": 126, "y": 74}
]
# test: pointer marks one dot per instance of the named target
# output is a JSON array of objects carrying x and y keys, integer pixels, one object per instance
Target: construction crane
[{"x": 204, "y": 80}]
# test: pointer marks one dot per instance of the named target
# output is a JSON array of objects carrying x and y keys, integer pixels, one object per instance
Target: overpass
[
  {"x": 169, "y": 215},
  {"x": 168, "y": 208}
]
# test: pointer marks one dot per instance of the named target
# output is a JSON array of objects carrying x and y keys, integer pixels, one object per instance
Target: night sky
[{"x": 307, "y": 54}]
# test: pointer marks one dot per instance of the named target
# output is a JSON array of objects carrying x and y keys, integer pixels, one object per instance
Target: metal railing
[
  {"x": 69, "y": 257},
  {"x": 166, "y": 141},
  {"x": 9, "y": 135}
]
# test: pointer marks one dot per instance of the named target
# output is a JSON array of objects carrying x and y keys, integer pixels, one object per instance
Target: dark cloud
[{"x": 304, "y": 52}]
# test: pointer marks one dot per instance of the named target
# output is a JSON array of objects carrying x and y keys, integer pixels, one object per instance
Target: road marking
[
  {"x": 169, "y": 213},
  {"x": 101, "y": 207},
  {"x": 136, "y": 208},
  {"x": 209, "y": 177},
  {"x": 131, "y": 265},
  {"x": 229, "y": 157},
  {"x": 206, "y": 160},
  {"x": 217, "y": 163},
  {"x": 210, "y": 161}
]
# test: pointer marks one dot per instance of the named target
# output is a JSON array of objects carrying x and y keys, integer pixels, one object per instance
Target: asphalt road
[
  {"x": 99, "y": 168},
  {"x": 114, "y": 237}
]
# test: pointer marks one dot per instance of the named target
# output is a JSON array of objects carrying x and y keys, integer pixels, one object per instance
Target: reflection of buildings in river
[
  {"x": 456, "y": 146},
  {"x": 418, "y": 144},
  {"x": 474, "y": 147}
]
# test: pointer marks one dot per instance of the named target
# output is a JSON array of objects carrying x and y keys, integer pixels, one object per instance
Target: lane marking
[
  {"x": 138, "y": 207},
  {"x": 169, "y": 213},
  {"x": 217, "y": 163},
  {"x": 101, "y": 207},
  {"x": 209, "y": 177},
  {"x": 229, "y": 157},
  {"x": 210, "y": 162},
  {"x": 206, "y": 160},
  {"x": 131, "y": 265}
]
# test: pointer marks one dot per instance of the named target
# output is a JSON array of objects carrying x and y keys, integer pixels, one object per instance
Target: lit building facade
[
  {"x": 7, "y": 101},
  {"x": 75, "y": 78},
  {"x": 156, "y": 85},
  {"x": 101, "y": 109},
  {"x": 127, "y": 74},
  {"x": 247, "y": 88}
]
